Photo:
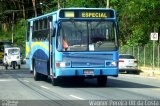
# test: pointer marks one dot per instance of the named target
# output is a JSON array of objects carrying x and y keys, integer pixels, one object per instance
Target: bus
[
  {"x": 3, "y": 44},
  {"x": 90, "y": 49}
]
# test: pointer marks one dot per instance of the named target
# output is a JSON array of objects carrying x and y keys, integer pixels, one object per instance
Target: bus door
[
  {"x": 52, "y": 42},
  {"x": 29, "y": 57}
]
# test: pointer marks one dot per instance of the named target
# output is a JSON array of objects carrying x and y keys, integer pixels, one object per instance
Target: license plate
[{"x": 88, "y": 72}]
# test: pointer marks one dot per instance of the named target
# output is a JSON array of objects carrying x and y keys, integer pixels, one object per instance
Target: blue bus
[{"x": 73, "y": 42}]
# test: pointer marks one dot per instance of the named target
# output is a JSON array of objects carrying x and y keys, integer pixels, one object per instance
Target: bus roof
[{"x": 69, "y": 9}]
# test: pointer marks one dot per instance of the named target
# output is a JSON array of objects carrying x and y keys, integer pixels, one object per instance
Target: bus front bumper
[{"x": 86, "y": 72}]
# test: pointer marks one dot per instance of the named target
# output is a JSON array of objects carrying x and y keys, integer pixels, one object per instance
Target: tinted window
[
  {"x": 88, "y": 36},
  {"x": 41, "y": 29}
]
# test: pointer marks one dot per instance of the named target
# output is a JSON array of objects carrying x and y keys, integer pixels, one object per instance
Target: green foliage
[
  {"x": 136, "y": 36},
  {"x": 76, "y": 3},
  {"x": 20, "y": 34},
  {"x": 5, "y": 35},
  {"x": 137, "y": 19}
]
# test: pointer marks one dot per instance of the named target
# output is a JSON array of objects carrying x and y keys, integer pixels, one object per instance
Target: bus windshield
[{"x": 87, "y": 36}]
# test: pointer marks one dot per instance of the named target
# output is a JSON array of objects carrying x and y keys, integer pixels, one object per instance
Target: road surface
[{"x": 18, "y": 87}]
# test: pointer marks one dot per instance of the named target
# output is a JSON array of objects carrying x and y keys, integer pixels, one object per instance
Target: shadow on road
[
  {"x": 71, "y": 83},
  {"x": 116, "y": 83},
  {"x": 112, "y": 83}
]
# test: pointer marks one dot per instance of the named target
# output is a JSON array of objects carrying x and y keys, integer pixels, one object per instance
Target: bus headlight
[
  {"x": 113, "y": 64},
  {"x": 63, "y": 64}
]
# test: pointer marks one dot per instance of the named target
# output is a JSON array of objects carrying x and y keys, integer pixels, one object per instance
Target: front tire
[
  {"x": 36, "y": 75},
  {"x": 54, "y": 81}
]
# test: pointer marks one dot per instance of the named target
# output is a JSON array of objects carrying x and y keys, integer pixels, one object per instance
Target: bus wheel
[
  {"x": 36, "y": 75},
  {"x": 102, "y": 80},
  {"x": 54, "y": 81}
]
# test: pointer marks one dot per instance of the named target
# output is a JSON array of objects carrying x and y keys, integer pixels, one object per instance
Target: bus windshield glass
[{"x": 87, "y": 36}]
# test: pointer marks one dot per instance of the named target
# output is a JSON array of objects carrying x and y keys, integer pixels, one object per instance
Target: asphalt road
[{"x": 18, "y": 87}]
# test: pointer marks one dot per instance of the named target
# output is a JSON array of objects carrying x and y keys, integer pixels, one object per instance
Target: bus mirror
[{"x": 5, "y": 54}]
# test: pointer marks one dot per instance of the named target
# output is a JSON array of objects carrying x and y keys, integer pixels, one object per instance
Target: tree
[
  {"x": 137, "y": 19},
  {"x": 34, "y": 7}
]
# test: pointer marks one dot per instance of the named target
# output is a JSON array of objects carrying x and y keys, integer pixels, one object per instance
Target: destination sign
[
  {"x": 94, "y": 15},
  {"x": 86, "y": 14}
]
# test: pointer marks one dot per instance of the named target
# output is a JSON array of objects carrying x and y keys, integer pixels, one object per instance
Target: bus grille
[{"x": 87, "y": 60}]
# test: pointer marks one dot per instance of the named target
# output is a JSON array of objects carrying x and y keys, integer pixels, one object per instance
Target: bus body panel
[
  {"x": 87, "y": 59},
  {"x": 80, "y": 72},
  {"x": 41, "y": 63},
  {"x": 40, "y": 56},
  {"x": 76, "y": 63},
  {"x": 46, "y": 57}
]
